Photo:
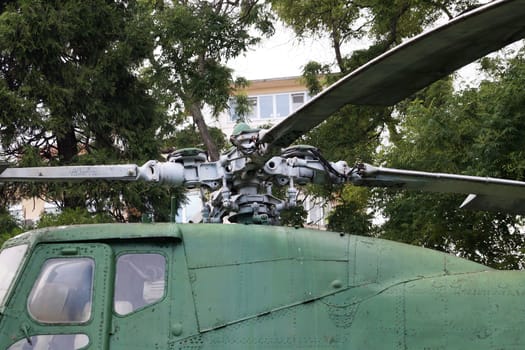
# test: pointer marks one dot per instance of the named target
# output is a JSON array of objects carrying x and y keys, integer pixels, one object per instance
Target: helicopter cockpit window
[
  {"x": 63, "y": 291},
  {"x": 139, "y": 281},
  {"x": 52, "y": 342},
  {"x": 10, "y": 261}
]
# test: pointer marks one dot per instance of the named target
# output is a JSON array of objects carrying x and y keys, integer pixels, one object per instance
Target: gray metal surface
[
  {"x": 126, "y": 172},
  {"x": 485, "y": 193}
]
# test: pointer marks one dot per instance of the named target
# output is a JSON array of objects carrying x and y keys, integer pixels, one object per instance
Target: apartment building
[{"x": 271, "y": 99}]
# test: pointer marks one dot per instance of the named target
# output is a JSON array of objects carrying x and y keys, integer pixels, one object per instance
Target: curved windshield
[{"x": 10, "y": 261}]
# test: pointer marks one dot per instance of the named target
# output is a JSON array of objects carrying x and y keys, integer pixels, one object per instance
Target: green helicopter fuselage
[{"x": 196, "y": 286}]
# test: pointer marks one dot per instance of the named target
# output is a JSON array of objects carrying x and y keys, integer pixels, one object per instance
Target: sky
[{"x": 282, "y": 55}]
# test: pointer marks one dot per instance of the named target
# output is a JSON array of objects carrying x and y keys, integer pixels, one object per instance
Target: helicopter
[{"x": 256, "y": 285}]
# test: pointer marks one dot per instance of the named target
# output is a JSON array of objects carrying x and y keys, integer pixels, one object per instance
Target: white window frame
[{"x": 256, "y": 113}]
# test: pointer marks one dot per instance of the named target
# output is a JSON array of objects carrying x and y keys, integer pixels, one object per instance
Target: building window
[
  {"x": 232, "y": 106},
  {"x": 139, "y": 281},
  {"x": 17, "y": 211},
  {"x": 51, "y": 208},
  {"x": 297, "y": 100},
  {"x": 253, "y": 111},
  {"x": 282, "y": 105},
  {"x": 63, "y": 291},
  {"x": 270, "y": 106},
  {"x": 266, "y": 106}
]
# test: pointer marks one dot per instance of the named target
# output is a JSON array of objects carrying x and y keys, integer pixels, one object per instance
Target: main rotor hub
[
  {"x": 190, "y": 158},
  {"x": 188, "y": 155}
]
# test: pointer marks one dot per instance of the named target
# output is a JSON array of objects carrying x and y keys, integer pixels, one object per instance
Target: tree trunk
[
  {"x": 67, "y": 151},
  {"x": 67, "y": 146},
  {"x": 336, "y": 43},
  {"x": 198, "y": 118}
]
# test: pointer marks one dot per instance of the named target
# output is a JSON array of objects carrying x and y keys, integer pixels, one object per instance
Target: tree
[
  {"x": 476, "y": 132},
  {"x": 71, "y": 93},
  {"x": 9, "y": 226},
  {"x": 190, "y": 137},
  {"x": 72, "y": 63},
  {"x": 75, "y": 216},
  {"x": 196, "y": 39}
]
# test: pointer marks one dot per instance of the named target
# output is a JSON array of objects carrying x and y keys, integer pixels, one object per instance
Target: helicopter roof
[
  {"x": 237, "y": 244},
  {"x": 97, "y": 232}
]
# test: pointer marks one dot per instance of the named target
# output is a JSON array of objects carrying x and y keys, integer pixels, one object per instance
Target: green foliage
[
  {"x": 71, "y": 62},
  {"x": 293, "y": 216},
  {"x": 336, "y": 19},
  {"x": 352, "y": 214},
  {"x": 109, "y": 82},
  {"x": 313, "y": 74},
  {"x": 242, "y": 107},
  {"x": 240, "y": 102},
  {"x": 9, "y": 227},
  {"x": 434, "y": 221},
  {"x": 354, "y": 133},
  {"x": 75, "y": 216},
  {"x": 190, "y": 137},
  {"x": 72, "y": 86},
  {"x": 475, "y": 132},
  {"x": 71, "y": 68},
  {"x": 196, "y": 38},
  {"x": 318, "y": 16},
  {"x": 384, "y": 23}
]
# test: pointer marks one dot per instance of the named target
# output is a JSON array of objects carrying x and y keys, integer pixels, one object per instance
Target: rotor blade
[
  {"x": 166, "y": 173},
  {"x": 409, "y": 67},
  {"x": 486, "y": 193},
  {"x": 126, "y": 172}
]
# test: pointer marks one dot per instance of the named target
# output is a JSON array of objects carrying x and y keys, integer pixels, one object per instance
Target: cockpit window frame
[{"x": 98, "y": 328}]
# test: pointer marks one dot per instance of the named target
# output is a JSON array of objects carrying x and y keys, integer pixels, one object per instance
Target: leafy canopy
[{"x": 478, "y": 131}]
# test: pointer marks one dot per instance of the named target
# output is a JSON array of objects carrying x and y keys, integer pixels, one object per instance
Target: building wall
[
  {"x": 276, "y": 90},
  {"x": 29, "y": 210}
]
